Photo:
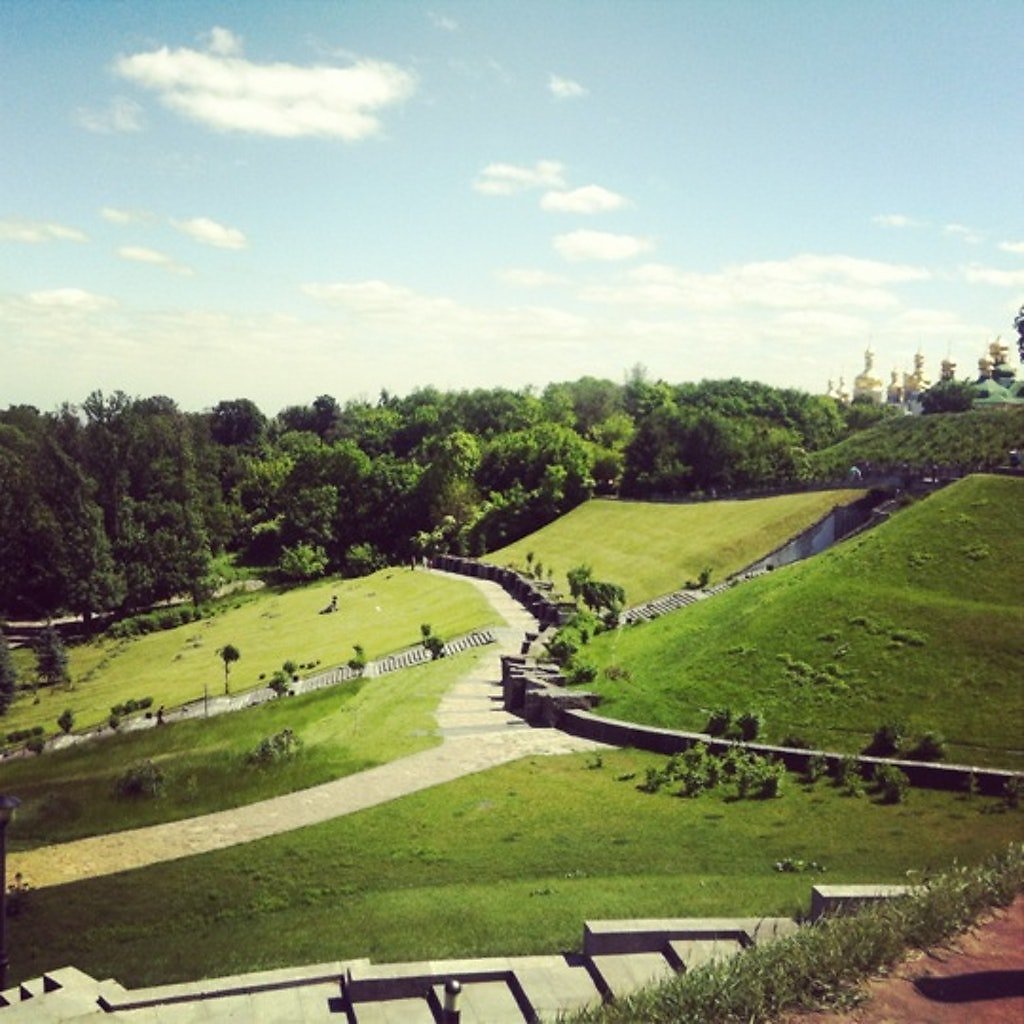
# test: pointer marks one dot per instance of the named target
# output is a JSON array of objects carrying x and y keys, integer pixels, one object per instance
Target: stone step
[
  {"x": 694, "y": 953},
  {"x": 622, "y": 974}
]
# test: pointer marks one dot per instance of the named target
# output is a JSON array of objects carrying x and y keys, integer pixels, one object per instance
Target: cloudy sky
[{"x": 276, "y": 200}]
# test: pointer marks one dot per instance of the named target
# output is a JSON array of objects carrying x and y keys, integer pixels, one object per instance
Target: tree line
[{"x": 121, "y": 501}]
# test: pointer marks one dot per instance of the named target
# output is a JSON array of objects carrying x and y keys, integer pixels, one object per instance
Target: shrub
[
  {"x": 143, "y": 780},
  {"x": 891, "y": 783},
  {"x": 114, "y": 721},
  {"x": 1012, "y": 789},
  {"x": 930, "y": 747},
  {"x": 887, "y": 740},
  {"x": 816, "y": 767},
  {"x": 719, "y": 722},
  {"x": 35, "y": 745},
  {"x": 289, "y": 667},
  {"x": 580, "y": 670},
  {"x": 273, "y": 749},
  {"x": 66, "y": 721},
  {"x": 279, "y": 683},
  {"x": 358, "y": 661},
  {"x": 749, "y": 724},
  {"x": 435, "y": 645}
]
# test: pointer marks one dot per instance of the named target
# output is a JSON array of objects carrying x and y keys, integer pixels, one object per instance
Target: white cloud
[
  {"x": 443, "y": 22},
  {"x": 508, "y": 179},
  {"x": 223, "y": 91},
  {"x": 521, "y": 277},
  {"x": 139, "y": 254},
  {"x": 895, "y": 220},
  {"x": 120, "y": 116},
  {"x": 114, "y": 215},
  {"x": 1015, "y": 247},
  {"x": 223, "y": 42},
  {"x": 962, "y": 231},
  {"x": 71, "y": 299},
  {"x": 588, "y": 199},
  {"x": 802, "y": 283},
  {"x": 35, "y": 232},
  {"x": 599, "y": 245},
  {"x": 990, "y": 275},
  {"x": 209, "y": 232},
  {"x": 565, "y": 88}
]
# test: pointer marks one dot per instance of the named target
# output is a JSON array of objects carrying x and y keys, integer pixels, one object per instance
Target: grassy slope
[
  {"x": 343, "y": 730},
  {"x": 979, "y": 438},
  {"x": 506, "y": 861},
  {"x": 919, "y": 620},
  {"x": 383, "y": 612},
  {"x": 651, "y": 549}
]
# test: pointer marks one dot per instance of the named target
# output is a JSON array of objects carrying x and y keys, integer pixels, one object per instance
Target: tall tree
[
  {"x": 51, "y": 658},
  {"x": 229, "y": 654},
  {"x": 8, "y": 676}
]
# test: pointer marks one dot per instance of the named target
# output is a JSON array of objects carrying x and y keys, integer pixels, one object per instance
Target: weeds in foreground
[{"x": 822, "y": 966}]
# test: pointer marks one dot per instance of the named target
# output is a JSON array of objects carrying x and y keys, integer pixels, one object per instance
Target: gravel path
[{"x": 478, "y": 734}]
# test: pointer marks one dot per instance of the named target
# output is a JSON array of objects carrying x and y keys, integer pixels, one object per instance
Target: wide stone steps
[{"x": 618, "y": 958}]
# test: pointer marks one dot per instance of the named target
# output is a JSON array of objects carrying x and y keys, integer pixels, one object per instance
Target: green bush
[
  {"x": 749, "y": 724},
  {"x": 144, "y": 780},
  {"x": 930, "y": 747},
  {"x": 719, "y": 722},
  {"x": 273, "y": 749},
  {"x": 891, "y": 783},
  {"x": 887, "y": 740}
]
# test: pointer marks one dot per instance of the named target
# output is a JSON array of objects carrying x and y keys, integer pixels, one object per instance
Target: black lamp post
[{"x": 8, "y": 804}]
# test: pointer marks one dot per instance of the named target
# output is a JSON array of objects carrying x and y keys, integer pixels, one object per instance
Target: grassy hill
[
  {"x": 977, "y": 439},
  {"x": 382, "y": 612},
  {"x": 919, "y": 621},
  {"x": 651, "y": 549}
]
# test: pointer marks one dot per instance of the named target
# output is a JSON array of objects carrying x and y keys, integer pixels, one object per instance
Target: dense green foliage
[
  {"x": 917, "y": 621},
  {"x": 978, "y": 439},
  {"x": 507, "y": 861},
  {"x": 123, "y": 502}
]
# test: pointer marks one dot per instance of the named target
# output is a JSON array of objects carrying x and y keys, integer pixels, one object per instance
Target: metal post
[
  {"x": 7, "y": 808},
  {"x": 452, "y": 1014}
]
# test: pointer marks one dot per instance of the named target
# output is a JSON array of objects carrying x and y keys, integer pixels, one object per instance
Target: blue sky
[{"x": 277, "y": 200}]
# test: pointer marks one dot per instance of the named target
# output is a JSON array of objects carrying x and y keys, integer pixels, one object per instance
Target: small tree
[
  {"x": 51, "y": 658},
  {"x": 66, "y": 721},
  {"x": 229, "y": 654},
  {"x": 8, "y": 677}
]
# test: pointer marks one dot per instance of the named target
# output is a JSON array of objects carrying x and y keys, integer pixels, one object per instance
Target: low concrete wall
[{"x": 924, "y": 774}]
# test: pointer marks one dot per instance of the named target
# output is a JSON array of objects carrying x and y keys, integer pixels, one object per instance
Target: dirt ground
[{"x": 977, "y": 979}]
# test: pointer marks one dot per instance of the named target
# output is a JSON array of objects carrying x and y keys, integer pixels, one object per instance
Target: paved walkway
[{"x": 478, "y": 734}]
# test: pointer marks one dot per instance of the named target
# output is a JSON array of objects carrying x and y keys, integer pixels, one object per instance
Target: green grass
[
  {"x": 509, "y": 861},
  {"x": 919, "y": 620},
  {"x": 824, "y": 966},
  {"x": 345, "y": 729},
  {"x": 980, "y": 437},
  {"x": 382, "y": 612},
  {"x": 652, "y": 549}
]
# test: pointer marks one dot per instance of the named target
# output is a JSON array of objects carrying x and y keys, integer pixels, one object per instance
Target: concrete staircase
[{"x": 618, "y": 957}]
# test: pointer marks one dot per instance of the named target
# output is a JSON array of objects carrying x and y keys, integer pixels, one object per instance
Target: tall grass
[{"x": 823, "y": 965}]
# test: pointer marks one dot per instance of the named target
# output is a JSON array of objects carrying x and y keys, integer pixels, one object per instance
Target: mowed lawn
[
  {"x": 508, "y": 861},
  {"x": 382, "y": 612},
  {"x": 342, "y": 730},
  {"x": 653, "y": 548},
  {"x": 919, "y": 621}
]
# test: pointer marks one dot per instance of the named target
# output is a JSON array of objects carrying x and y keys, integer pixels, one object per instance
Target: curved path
[{"x": 477, "y": 734}]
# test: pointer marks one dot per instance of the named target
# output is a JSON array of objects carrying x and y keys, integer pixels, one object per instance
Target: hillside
[
  {"x": 651, "y": 549},
  {"x": 979, "y": 439},
  {"x": 919, "y": 621}
]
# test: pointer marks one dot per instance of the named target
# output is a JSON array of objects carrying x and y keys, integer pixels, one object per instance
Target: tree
[
  {"x": 229, "y": 654},
  {"x": 66, "y": 721},
  {"x": 51, "y": 657},
  {"x": 303, "y": 562},
  {"x": 949, "y": 396},
  {"x": 8, "y": 676}
]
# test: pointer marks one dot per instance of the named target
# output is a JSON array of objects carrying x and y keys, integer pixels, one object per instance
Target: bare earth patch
[{"x": 976, "y": 978}]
